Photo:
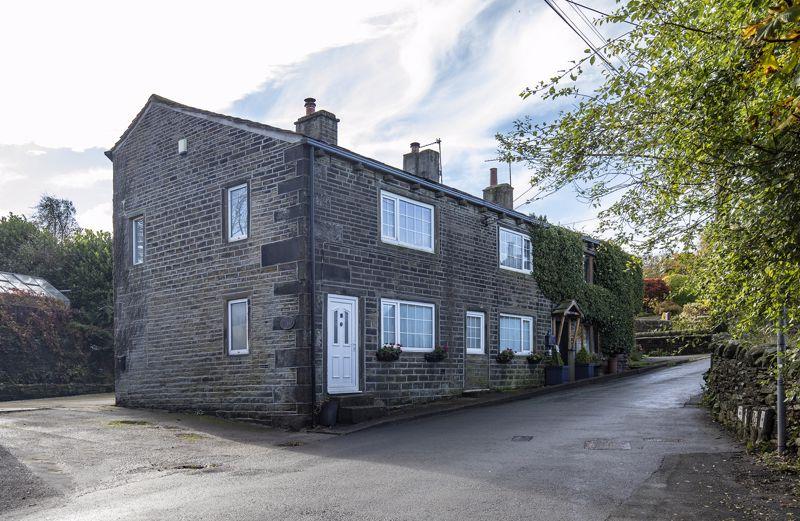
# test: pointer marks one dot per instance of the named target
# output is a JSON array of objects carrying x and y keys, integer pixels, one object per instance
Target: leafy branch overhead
[{"x": 690, "y": 141}]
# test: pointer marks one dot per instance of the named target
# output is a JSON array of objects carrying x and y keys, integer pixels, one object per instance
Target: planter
[
  {"x": 583, "y": 371},
  {"x": 556, "y": 375},
  {"x": 384, "y": 357},
  {"x": 328, "y": 412},
  {"x": 435, "y": 356},
  {"x": 612, "y": 364}
]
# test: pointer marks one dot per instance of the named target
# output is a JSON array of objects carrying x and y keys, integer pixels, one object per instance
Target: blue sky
[{"x": 393, "y": 73}]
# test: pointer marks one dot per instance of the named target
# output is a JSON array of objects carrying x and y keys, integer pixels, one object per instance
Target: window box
[
  {"x": 388, "y": 353},
  {"x": 406, "y": 222},
  {"x": 514, "y": 250},
  {"x": 438, "y": 354}
]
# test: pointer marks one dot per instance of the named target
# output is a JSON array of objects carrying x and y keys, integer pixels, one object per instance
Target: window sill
[
  {"x": 408, "y": 246},
  {"x": 515, "y": 270},
  {"x": 475, "y": 352},
  {"x": 416, "y": 350},
  {"x": 238, "y": 353}
]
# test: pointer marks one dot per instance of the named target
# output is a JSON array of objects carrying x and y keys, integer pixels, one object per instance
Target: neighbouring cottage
[{"x": 257, "y": 271}]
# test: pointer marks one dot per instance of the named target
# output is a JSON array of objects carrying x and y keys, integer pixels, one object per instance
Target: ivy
[{"x": 609, "y": 304}]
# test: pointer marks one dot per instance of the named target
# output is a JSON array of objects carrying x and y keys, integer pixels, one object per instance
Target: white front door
[{"x": 342, "y": 344}]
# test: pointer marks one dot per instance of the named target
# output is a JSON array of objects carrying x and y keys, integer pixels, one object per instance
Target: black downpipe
[{"x": 312, "y": 245}]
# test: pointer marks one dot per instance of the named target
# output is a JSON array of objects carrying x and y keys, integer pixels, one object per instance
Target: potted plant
[
  {"x": 327, "y": 411},
  {"x": 505, "y": 356},
  {"x": 535, "y": 359},
  {"x": 388, "y": 353},
  {"x": 438, "y": 354},
  {"x": 555, "y": 372},
  {"x": 584, "y": 365}
]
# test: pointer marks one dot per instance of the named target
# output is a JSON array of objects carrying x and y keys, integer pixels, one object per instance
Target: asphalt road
[{"x": 577, "y": 455}]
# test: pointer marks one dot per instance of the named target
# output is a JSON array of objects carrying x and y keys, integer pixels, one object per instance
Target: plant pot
[
  {"x": 328, "y": 413},
  {"x": 583, "y": 371},
  {"x": 612, "y": 364},
  {"x": 387, "y": 358},
  {"x": 556, "y": 375},
  {"x": 434, "y": 357}
]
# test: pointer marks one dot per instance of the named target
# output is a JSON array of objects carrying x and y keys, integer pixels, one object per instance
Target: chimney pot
[
  {"x": 415, "y": 148},
  {"x": 492, "y": 177},
  {"x": 311, "y": 105}
]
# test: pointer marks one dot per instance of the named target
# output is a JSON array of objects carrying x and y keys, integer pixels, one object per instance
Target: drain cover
[
  {"x": 602, "y": 444},
  {"x": 521, "y": 438},
  {"x": 663, "y": 440}
]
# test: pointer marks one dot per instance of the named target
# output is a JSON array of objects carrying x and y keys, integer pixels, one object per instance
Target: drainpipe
[{"x": 312, "y": 245}]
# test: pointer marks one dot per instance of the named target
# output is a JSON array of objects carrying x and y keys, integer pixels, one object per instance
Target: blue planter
[
  {"x": 556, "y": 375},
  {"x": 583, "y": 371}
]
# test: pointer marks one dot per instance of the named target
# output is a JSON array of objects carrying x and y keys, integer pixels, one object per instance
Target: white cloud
[
  {"x": 97, "y": 217},
  {"x": 82, "y": 179}
]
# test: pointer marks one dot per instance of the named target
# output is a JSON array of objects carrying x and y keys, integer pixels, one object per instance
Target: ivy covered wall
[{"x": 611, "y": 303}]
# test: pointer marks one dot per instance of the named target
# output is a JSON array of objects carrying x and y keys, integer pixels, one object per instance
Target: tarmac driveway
[{"x": 591, "y": 453}]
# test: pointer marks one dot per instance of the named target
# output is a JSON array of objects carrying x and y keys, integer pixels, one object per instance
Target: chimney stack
[
  {"x": 318, "y": 124},
  {"x": 422, "y": 163},
  {"x": 501, "y": 194}
]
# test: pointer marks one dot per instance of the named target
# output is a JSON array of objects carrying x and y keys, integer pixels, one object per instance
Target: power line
[{"x": 576, "y": 30}]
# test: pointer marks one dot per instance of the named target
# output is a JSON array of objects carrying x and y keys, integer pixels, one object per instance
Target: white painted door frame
[{"x": 342, "y": 345}]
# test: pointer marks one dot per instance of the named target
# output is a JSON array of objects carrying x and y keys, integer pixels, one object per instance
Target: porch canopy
[{"x": 569, "y": 309}]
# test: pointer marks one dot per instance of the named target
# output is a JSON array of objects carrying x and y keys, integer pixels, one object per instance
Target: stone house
[{"x": 257, "y": 270}]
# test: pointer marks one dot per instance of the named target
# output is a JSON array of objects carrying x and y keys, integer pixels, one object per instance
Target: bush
[
  {"x": 583, "y": 357},
  {"x": 695, "y": 316},
  {"x": 505, "y": 356},
  {"x": 554, "y": 360},
  {"x": 655, "y": 289},
  {"x": 681, "y": 290}
]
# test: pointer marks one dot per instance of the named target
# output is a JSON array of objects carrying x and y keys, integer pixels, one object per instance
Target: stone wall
[
  {"x": 170, "y": 310},
  {"x": 55, "y": 359},
  {"x": 673, "y": 343},
  {"x": 740, "y": 390},
  {"x": 460, "y": 275}
]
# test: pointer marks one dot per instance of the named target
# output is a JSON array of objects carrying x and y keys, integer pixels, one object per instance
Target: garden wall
[
  {"x": 674, "y": 343},
  {"x": 740, "y": 391},
  {"x": 44, "y": 353}
]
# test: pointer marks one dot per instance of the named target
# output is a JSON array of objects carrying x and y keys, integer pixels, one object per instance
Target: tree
[
  {"x": 88, "y": 274},
  {"x": 26, "y": 249},
  {"x": 695, "y": 136},
  {"x": 56, "y": 216}
]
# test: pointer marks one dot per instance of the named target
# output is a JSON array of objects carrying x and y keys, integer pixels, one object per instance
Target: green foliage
[
  {"x": 56, "y": 216},
  {"x": 535, "y": 358},
  {"x": 583, "y": 357},
  {"x": 696, "y": 140},
  {"x": 681, "y": 290},
  {"x": 505, "y": 356},
  {"x": 610, "y": 303},
  {"x": 554, "y": 360},
  {"x": 81, "y": 262}
]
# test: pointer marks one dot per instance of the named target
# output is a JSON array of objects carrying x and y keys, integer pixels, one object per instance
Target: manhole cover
[
  {"x": 521, "y": 438},
  {"x": 663, "y": 440},
  {"x": 607, "y": 445}
]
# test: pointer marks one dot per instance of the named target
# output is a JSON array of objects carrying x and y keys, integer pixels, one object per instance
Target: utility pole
[{"x": 781, "y": 405}]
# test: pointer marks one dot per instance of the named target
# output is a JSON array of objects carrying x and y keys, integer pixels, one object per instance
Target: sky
[{"x": 393, "y": 72}]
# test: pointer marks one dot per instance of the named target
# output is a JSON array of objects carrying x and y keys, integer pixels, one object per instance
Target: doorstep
[{"x": 491, "y": 398}]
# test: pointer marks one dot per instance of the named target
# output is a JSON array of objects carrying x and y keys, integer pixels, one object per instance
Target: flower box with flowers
[
  {"x": 388, "y": 353},
  {"x": 438, "y": 354}
]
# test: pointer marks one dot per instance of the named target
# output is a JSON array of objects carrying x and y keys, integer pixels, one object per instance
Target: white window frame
[
  {"x": 397, "y": 303},
  {"x": 228, "y": 192},
  {"x": 135, "y": 258},
  {"x": 395, "y": 240},
  {"x": 524, "y": 318},
  {"x": 525, "y": 239},
  {"x": 482, "y": 317},
  {"x": 230, "y": 304}
]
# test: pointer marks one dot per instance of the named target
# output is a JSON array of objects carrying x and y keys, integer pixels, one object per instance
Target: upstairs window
[
  {"x": 238, "y": 213},
  {"x": 137, "y": 240},
  {"x": 516, "y": 333},
  {"x": 409, "y": 324},
  {"x": 515, "y": 251},
  {"x": 238, "y": 341},
  {"x": 406, "y": 222}
]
